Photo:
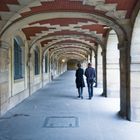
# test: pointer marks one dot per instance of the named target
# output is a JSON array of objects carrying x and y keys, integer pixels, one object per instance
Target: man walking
[{"x": 90, "y": 75}]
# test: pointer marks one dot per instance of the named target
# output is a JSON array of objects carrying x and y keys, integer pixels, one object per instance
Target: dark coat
[
  {"x": 79, "y": 78},
  {"x": 90, "y": 75}
]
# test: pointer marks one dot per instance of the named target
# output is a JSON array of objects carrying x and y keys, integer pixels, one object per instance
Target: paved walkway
[{"x": 55, "y": 113}]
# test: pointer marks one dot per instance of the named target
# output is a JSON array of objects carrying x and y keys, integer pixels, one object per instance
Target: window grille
[{"x": 17, "y": 61}]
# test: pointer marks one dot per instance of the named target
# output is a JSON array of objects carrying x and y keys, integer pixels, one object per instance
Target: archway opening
[
  {"x": 135, "y": 72},
  {"x": 72, "y": 64}
]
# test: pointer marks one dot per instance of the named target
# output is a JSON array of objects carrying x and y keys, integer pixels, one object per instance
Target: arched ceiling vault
[
  {"x": 66, "y": 49},
  {"x": 71, "y": 55},
  {"x": 68, "y": 42},
  {"x": 65, "y": 22},
  {"x": 65, "y": 34},
  {"x": 60, "y": 47}
]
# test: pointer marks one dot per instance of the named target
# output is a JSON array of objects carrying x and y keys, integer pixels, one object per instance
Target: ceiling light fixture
[{"x": 63, "y": 60}]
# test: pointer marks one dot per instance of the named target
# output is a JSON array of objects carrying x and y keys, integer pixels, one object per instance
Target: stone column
[
  {"x": 96, "y": 69},
  {"x": 4, "y": 78},
  {"x": 104, "y": 73},
  {"x": 88, "y": 58},
  {"x": 91, "y": 54},
  {"x": 43, "y": 70},
  {"x": 29, "y": 64},
  {"x": 124, "y": 79},
  {"x": 100, "y": 69}
]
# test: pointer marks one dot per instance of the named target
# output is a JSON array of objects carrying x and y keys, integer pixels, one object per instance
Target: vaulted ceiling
[{"x": 68, "y": 28}]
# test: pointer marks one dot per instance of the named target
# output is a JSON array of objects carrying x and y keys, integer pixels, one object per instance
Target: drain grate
[
  {"x": 15, "y": 115},
  {"x": 61, "y": 122}
]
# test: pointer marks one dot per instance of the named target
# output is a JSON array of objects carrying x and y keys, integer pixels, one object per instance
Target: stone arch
[
  {"x": 63, "y": 49},
  {"x": 63, "y": 40},
  {"x": 85, "y": 47},
  {"x": 112, "y": 65},
  {"x": 60, "y": 41},
  {"x": 135, "y": 72},
  {"x": 105, "y": 20}
]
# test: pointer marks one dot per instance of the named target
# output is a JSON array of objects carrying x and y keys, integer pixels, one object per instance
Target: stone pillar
[
  {"x": 4, "y": 78},
  {"x": 30, "y": 67},
  {"x": 91, "y": 55},
  {"x": 43, "y": 69},
  {"x": 113, "y": 71},
  {"x": 96, "y": 69},
  {"x": 93, "y": 59},
  {"x": 104, "y": 73},
  {"x": 100, "y": 68},
  {"x": 88, "y": 58},
  {"x": 124, "y": 79}
]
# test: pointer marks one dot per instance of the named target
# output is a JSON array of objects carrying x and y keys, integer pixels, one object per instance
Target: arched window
[
  {"x": 46, "y": 64},
  {"x": 17, "y": 60},
  {"x": 36, "y": 61}
]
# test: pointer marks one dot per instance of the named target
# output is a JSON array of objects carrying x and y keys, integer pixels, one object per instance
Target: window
[
  {"x": 17, "y": 60},
  {"x": 46, "y": 64},
  {"x": 36, "y": 63}
]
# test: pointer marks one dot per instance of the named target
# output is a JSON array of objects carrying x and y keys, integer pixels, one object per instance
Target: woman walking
[{"x": 80, "y": 80}]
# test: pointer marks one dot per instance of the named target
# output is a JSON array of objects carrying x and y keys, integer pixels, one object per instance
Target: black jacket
[{"x": 79, "y": 78}]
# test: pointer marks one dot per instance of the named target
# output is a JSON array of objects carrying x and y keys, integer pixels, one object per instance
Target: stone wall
[{"x": 4, "y": 81}]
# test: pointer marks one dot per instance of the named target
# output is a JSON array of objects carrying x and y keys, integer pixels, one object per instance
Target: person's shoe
[
  {"x": 78, "y": 96},
  {"x": 81, "y": 97},
  {"x": 89, "y": 98}
]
